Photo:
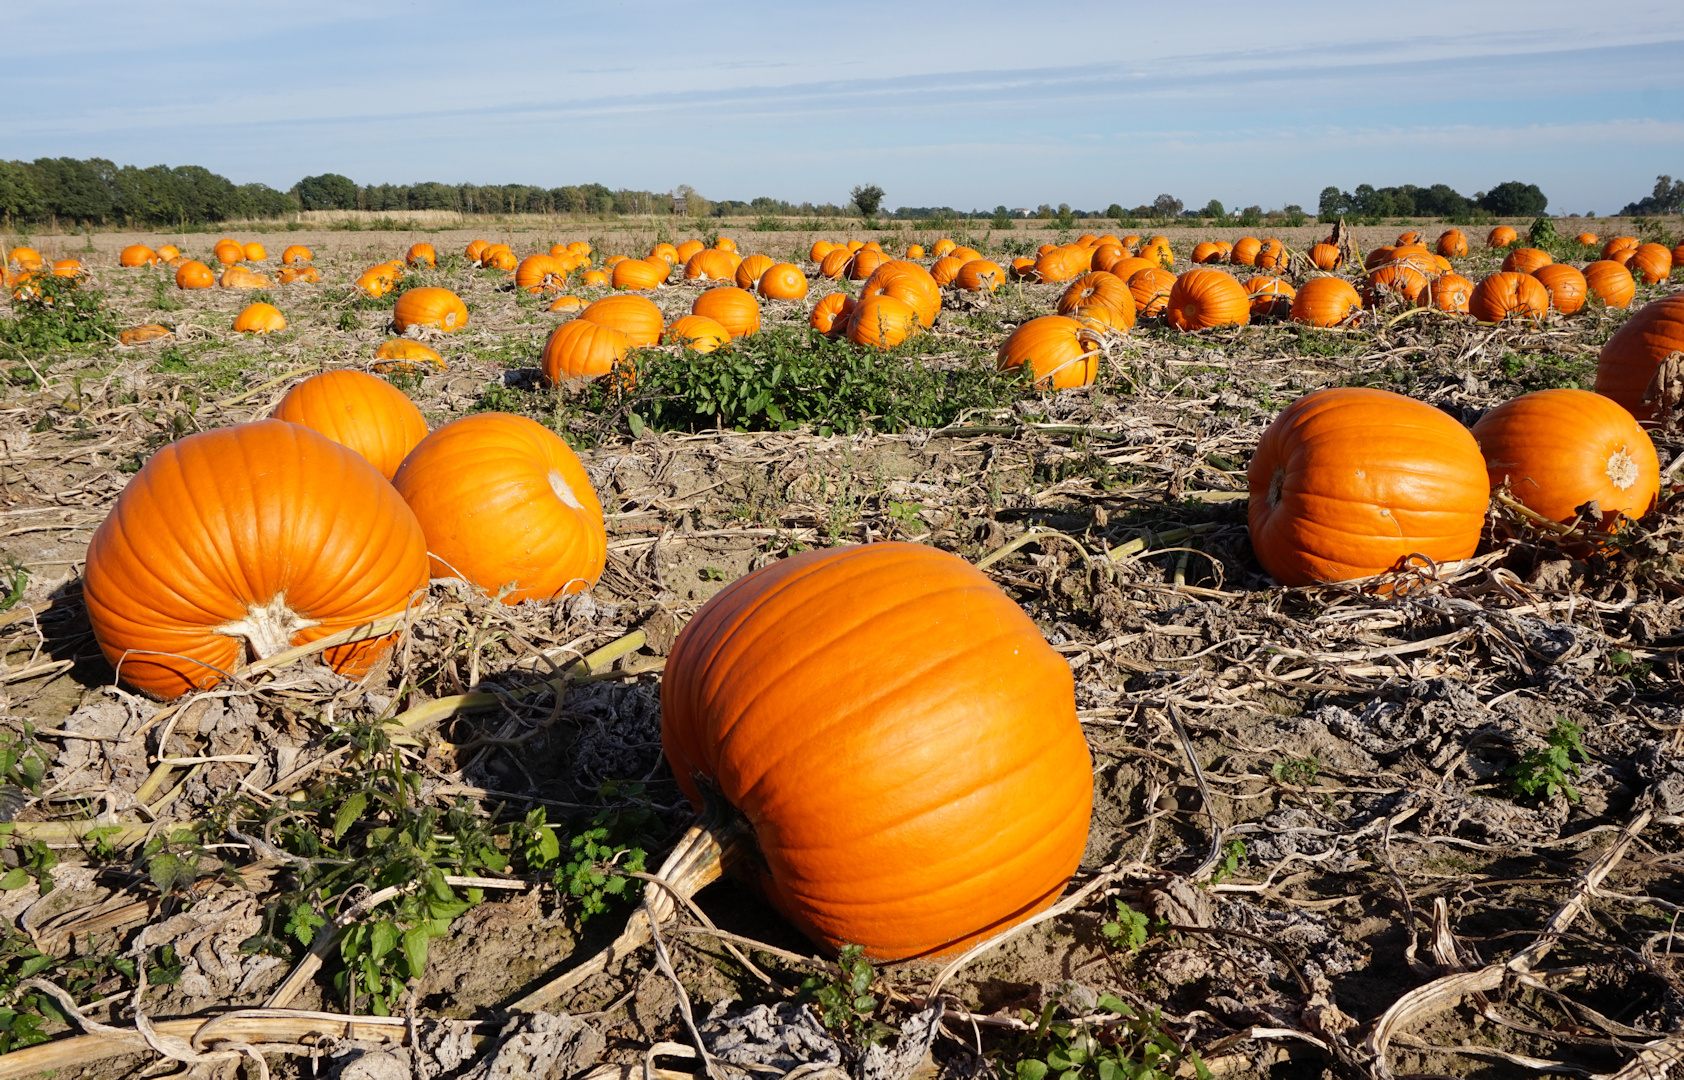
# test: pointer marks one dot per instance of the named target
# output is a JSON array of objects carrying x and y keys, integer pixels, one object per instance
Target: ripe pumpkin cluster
[{"x": 326, "y": 519}]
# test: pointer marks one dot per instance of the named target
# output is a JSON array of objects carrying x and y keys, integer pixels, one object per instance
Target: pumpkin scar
[
  {"x": 1622, "y": 469},
  {"x": 267, "y": 628},
  {"x": 563, "y": 491}
]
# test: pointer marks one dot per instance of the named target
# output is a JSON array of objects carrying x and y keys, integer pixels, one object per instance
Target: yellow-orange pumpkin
[{"x": 359, "y": 411}]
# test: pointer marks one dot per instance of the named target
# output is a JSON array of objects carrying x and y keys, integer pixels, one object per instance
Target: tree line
[
  {"x": 99, "y": 192},
  {"x": 1509, "y": 199}
]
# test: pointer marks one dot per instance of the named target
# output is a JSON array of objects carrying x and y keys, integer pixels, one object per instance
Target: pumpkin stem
[
  {"x": 268, "y": 628},
  {"x": 1622, "y": 469}
]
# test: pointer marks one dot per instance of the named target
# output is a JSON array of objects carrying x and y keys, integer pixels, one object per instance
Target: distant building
[{"x": 1020, "y": 211}]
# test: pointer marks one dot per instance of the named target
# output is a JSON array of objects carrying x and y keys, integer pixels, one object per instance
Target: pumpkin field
[{"x": 573, "y": 649}]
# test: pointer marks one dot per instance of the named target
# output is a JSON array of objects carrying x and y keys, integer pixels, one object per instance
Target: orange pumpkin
[
  {"x": 783, "y": 281},
  {"x": 985, "y": 764},
  {"x": 1325, "y": 257},
  {"x": 1451, "y": 292},
  {"x": 430, "y": 306},
  {"x": 1271, "y": 255},
  {"x": 259, "y": 319},
  {"x": 194, "y": 275},
  {"x": 376, "y": 280},
  {"x": 1566, "y": 286},
  {"x": 945, "y": 270},
  {"x": 402, "y": 356},
  {"x": 1619, "y": 243},
  {"x": 1063, "y": 263},
  {"x": 566, "y": 303},
  {"x": 1325, "y": 302},
  {"x": 1452, "y": 244},
  {"x": 1270, "y": 297},
  {"x": 832, "y": 314},
  {"x": 1245, "y": 251},
  {"x": 1652, "y": 262},
  {"x": 421, "y": 255},
  {"x": 582, "y": 349},
  {"x": 1058, "y": 352},
  {"x": 1559, "y": 449},
  {"x": 1508, "y": 295},
  {"x": 290, "y": 274},
  {"x": 505, "y": 504},
  {"x": 359, "y": 411},
  {"x": 1526, "y": 260},
  {"x": 26, "y": 259},
  {"x": 1205, "y": 252},
  {"x": 476, "y": 250},
  {"x": 640, "y": 274},
  {"x": 1611, "y": 283},
  {"x": 1151, "y": 288},
  {"x": 979, "y": 275},
  {"x": 238, "y": 277},
  {"x": 687, "y": 250},
  {"x": 865, "y": 262},
  {"x": 228, "y": 251},
  {"x": 498, "y": 257},
  {"x": 254, "y": 252},
  {"x": 1349, "y": 482},
  {"x": 1202, "y": 299},
  {"x": 698, "y": 333},
  {"x": 882, "y": 321},
  {"x": 725, "y": 243},
  {"x": 943, "y": 248},
  {"x": 735, "y": 309},
  {"x": 711, "y": 264},
  {"x": 915, "y": 251},
  {"x": 749, "y": 270},
  {"x": 909, "y": 282},
  {"x": 1633, "y": 356},
  {"x": 296, "y": 253},
  {"x": 1586, "y": 239},
  {"x": 1501, "y": 237},
  {"x": 143, "y": 333},
  {"x": 637, "y": 317},
  {"x": 167, "y": 252},
  {"x": 242, "y": 542},
  {"x": 820, "y": 249},
  {"x": 664, "y": 252},
  {"x": 835, "y": 262},
  {"x": 1395, "y": 283},
  {"x": 595, "y": 279},
  {"x": 1098, "y": 287},
  {"x": 137, "y": 255}
]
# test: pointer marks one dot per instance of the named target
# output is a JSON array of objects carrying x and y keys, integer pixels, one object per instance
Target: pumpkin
[
  {"x": 376, "y": 281},
  {"x": 1610, "y": 283},
  {"x": 1623, "y": 256},
  {"x": 936, "y": 790},
  {"x": 698, "y": 333},
  {"x": 581, "y": 249},
  {"x": 1451, "y": 292},
  {"x": 403, "y": 356},
  {"x": 1559, "y": 449},
  {"x": 1525, "y": 260},
  {"x": 711, "y": 264},
  {"x": 505, "y": 502},
  {"x": 476, "y": 250},
  {"x": 359, "y": 411},
  {"x": 1270, "y": 297},
  {"x": 1063, "y": 263},
  {"x": 1348, "y": 482},
  {"x": 783, "y": 281},
  {"x": 1023, "y": 267},
  {"x": 1326, "y": 301},
  {"x": 639, "y": 274},
  {"x": 26, "y": 258},
  {"x": 1395, "y": 283},
  {"x": 566, "y": 303},
  {"x": 260, "y": 319},
  {"x": 1411, "y": 237},
  {"x": 296, "y": 253},
  {"x": 664, "y": 252},
  {"x": 429, "y": 306},
  {"x": 1508, "y": 295},
  {"x": 612, "y": 261},
  {"x": 1130, "y": 243},
  {"x": 421, "y": 255},
  {"x": 1105, "y": 318},
  {"x": 1452, "y": 244},
  {"x": 1098, "y": 287},
  {"x": 835, "y": 262},
  {"x": 137, "y": 255},
  {"x": 289, "y": 274},
  {"x": 1566, "y": 286},
  {"x": 945, "y": 270},
  {"x": 1205, "y": 252},
  {"x": 637, "y": 317},
  {"x": 1652, "y": 262},
  {"x": 1586, "y": 239},
  {"x": 1058, "y": 352},
  {"x": 979, "y": 275},
  {"x": 1678, "y": 254},
  {"x": 1202, "y": 299},
  {"x": 1105, "y": 256},
  {"x": 143, "y": 333},
  {"x": 596, "y": 279},
  {"x": 909, "y": 282},
  {"x": 1245, "y": 251},
  {"x": 882, "y": 320},
  {"x": 1326, "y": 257},
  {"x": 687, "y": 250},
  {"x": 943, "y": 248},
  {"x": 1633, "y": 357},
  {"x": 228, "y": 251},
  {"x": 832, "y": 313},
  {"x": 820, "y": 249},
  {"x": 167, "y": 252},
  {"x": 1501, "y": 237},
  {"x": 1380, "y": 256},
  {"x": 72, "y": 268},
  {"x": 1620, "y": 243},
  {"x": 735, "y": 309},
  {"x": 582, "y": 349},
  {"x": 865, "y": 263},
  {"x": 238, "y": 277},
  {"x": 245, "y": 541},
  {"x": 915, "y": 251},
  {"x": 1150, "y": 289},
  {"x": 254, "y": 252},
  {"x": 1271, "y": 255},
  {"x": 194, "y": 275},
  {"x": 725, "y": 243},
  {"x": 749, "y": 270},
  {"x": 1128, "y": 266},
  {"x": 498, "y": 257}
]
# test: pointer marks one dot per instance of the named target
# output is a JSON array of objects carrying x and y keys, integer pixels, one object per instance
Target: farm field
[{"x": 1430, "y": 826}]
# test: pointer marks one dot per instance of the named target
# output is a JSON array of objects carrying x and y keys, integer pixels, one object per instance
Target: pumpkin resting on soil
[
  {"x": 504, "y": 501},
  {"x": 246, "y": 541},
  {"x": 1635, "y": 356},
  {"x": 1058, "y": 351},
  {"x": 898, "y": 740},
  {"x": 1348, "y": 482},
  {"x": 359, "y": 411}
]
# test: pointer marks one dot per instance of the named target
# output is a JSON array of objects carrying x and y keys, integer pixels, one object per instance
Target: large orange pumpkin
[
  {"x": 735, "y": 309},
  {"x": 1271, "y": 255},
  {"x": 505, "y": 502},
  {"x": 1619, "y": 243},
  {"x": 639, "y": 274},
  {"x": 1326, "y": 301},
  {"x": 1501, "y": 237},
  {"x": 882, "y": 321},
  {"x": 1202, "y": 299},
  {"x": 979, "y": 275},
  {"x": 898, "y": 738},
  {"x": 865, "y": 262},
  {"x": 1611, "y": 284},
  {"x": 1270, "y": 297},
  {"x": 749, "y": 270},
  {"x": 1395, "y": 283},
  {"x": 405, "y": 356},
  {"x": 194, "y": 275},
  {"x": 1326, "y": 257},
  {"x": 228, "y": 251},
  {"x": 687, "y": 250},
  {"x": 369, "y": 415},
  {"x": 835, "y": 263},
  {"x": 296, "y": 253},
  {"x": 1559, "y": 449},
  {"x": 1452, "y": 244},
  {"x": 244, "y": 541},
  {"x": 420, "y": 255},
  {"x": 260, "y": 319},
  {"x": 1347, "y": 482},
  {"x": 1450, "y": 292},
  {"x": 254, "y": 252},
  {"x": 783, "y": 281},
  {"x": 1652, "y": 262},
  {"x": 1151, "y": 288},
  {"x": 697, "y": 333},
  {"x": 1058, "y": 351},
  {"x": 909, "y": 282},
  {"x": 1509, "y": 295},
  {"x": 711, "y": 264},
  {"x": 238, "y": 277},
  {"x": 137, "y": 255},
  {"x": 1566, "y": 286},
  {"x": 1063, "y": 263},
  {"x": 1098, "y": 287},
  {"x": 1633, "y": 356},
  {"x": 1526, "y": 260},
  {"x": 832, "y": 313},
  {"x": 429, "y": 306},
  {"x": 582, "y": 349},
  {"x": 637, "y": 317},
  {"x": 1245, "y": 251},
  {"x": 539, "y": 272}
]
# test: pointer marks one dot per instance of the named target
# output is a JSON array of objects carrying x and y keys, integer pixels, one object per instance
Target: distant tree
[
  {"x": 18, "y": 197},
  {"x": 1514, "y": 199},
  {"x": 1667, "y": 198},
  {"x": 1002, "y": 218},
  {"x": 1065, "y": 218},
  {"x": 1166, "y": 206},
  {"x": 1214, "y": 210},
  {"x": 329, "y": 191},
  {"x": 1115, "y": 212},
  {"x": 1043, "y": 211},
  {"x": 868, "y": 197}
]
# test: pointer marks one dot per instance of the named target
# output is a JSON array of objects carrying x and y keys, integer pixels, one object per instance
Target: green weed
[
  {"x": 1543, "y": 773},
  {"x": 1116, "y": 1043},
  {"x": 844, "y": 1002}
]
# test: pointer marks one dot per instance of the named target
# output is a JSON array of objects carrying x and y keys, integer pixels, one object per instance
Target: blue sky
[{"x": 965, "y": 105}]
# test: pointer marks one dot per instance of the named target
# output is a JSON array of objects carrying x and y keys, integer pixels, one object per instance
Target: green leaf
[
  {"x": 636, "y": 424},
  {"x": 415, "y": 950},
  {"x": 382, "y": 938},
  {"x": 349, "y": 811},
  {"x": 1031, "y": 1070},
  {"x": 15, "y": 878}
]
